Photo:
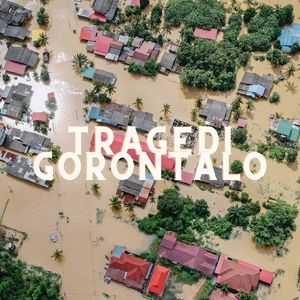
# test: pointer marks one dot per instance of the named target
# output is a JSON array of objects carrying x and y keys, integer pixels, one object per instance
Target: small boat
[{"x": 53, "y": 238}]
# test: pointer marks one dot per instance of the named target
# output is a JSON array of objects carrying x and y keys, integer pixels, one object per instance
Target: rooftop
[
  {"x": 106, "y": 7},
  {"x": 158, "y": 280},
  {"x": 206, "y": 34}
]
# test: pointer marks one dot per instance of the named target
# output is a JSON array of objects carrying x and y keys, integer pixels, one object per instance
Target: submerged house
[
  {"x": 158, "y": 280},
  {"x": 168, "y": 63},
  {"x": 192, "y": 257},
  {"x": 108, "y": 8},
  {"x": 218, "y": 294},
  {"x": 219, "y": 182},
  {"x": 128, "y": 269},
  {"x": 101, "y": 76},
  {"x": 256, "y": 86},
  {"x": 289, "y": 37},
  {"x": 26, "y": 141},
  {"x": 286, "y": 130},
  {"x": 16, "y": 100},
  {"x": 217, "y": 113},
  {"x": 21, "y": 57},
  {"x": 22, "y": 168},
  {"x": 210, "y": 34},
  {"x": 241, "y": 276},
  {"x": 136, "y": 190},
  {"x": 16, "y": 33}
]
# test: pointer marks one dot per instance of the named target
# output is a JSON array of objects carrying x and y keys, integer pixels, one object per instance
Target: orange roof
[
  {"x": 266, "y": 276},
  {"x": 40, "y": 117},
  {"x": 158, "y": 280},
  {"x": 219, "y": 295}
]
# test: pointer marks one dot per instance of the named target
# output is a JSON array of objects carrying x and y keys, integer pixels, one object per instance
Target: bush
[
  {"x": 249, "y": 14},
  {"x": 237, "y": 167},
  {"x": 201, "y": 209},
  {"x": 292, "y": 155},
  {"x": 239, "y": 136},
  {"x": 245, "y": 197},
  {"x": 221, "y": 227},
  {"x": 277, "y": 57},
  {"x": 5, "y": 77},
  {"x": 42, "y": 17}
]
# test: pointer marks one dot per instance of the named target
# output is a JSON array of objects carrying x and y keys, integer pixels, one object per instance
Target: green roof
[
  {"x": 88, "y": 72},
  {"x": 284, "y": 127},
  {"x": 294, "y": 134}
]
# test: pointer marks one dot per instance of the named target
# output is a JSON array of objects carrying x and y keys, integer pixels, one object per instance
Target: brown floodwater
[{"x": 84, "y": 242}]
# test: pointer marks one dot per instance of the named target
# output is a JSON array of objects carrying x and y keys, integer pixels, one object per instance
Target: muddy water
[{"x": 84, "y": 242}]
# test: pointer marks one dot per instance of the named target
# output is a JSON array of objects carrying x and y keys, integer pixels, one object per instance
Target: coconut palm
[
  {"x": 115, "y": 203},
  {"x": 129, "y": 207},
  {"x": 79, "y": 60},
  {"x": 110, "y": 89},
  {"x": 166, "y": 109},
  {"x": 138, "y": 103},
  {"x": 290, "y": 70},
  {"x": 43, "y": 39},
  {"x": 237, "y": 114},
  {"x": 95, "y": 188},
  {"x": 199, "y": 102},
  {"x": 89, "y": 96},
  {"x": 58, "y": 255},
  {"x": 166, "y": 29},
  {"x": 249, "y": 105},
  {"x": 152, "y": 200},
  {"x": 98, "y": 87},
  {"x": 194, "y": 114},
  {"x": 56, "y": 153}
]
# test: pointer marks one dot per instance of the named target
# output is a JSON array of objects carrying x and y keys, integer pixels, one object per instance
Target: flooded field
[{"x": 84, "y": 241}]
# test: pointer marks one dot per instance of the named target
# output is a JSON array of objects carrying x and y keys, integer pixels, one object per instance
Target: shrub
[
  {"x": 221, "y": 227},
  {"x": 239, "y": 135},
  {"x": 237, "y": 167},
  {"x": 5, "y": 77},
  {"x": 291, "y": 155}
]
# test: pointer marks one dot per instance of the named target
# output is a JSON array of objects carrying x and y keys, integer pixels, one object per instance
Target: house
[
  {"x": 137, "y": 42},
  {"x": 128, "y": 269},
  {"x": 106, "y": 7},
  {"x": 255, "y": 86},
  {"x": 116, "y": 147},
  {"x": 168, "y": 62},
  {"x": 133, "y": 3},
  {"x": 142, "y": 121},
  {"x": 210, "y": 34},
  {"x": 26, "y": 142},
  {"x": 173, "y": 47},
  {"x": 242, "y": 123},
  {"x": 236, "y": 185},
  {"x": 114, "y": 51},
  {"x": 219, "y": 295},
  {"x": 192, "y": 257},
  {"x": 219, "y": 182},
  {"x": 2, "y": 134},
  {"x": 217, "y": 113},
  {"x": 187, "y": 177},
  {"x": 14, "y": 14},
  {"x": 143, "y": 53},
  {"x": 241, "y": 275},
  {"x": 190, "y": 138},
  {"x": 136, "y": 190},
  {"x": 89, "y": 13},
  {"x": 15, "y": 68},
  {"x": 158, "y": 280},
  {"x": 16, "y": 101},
  {"x": 88, "y": 34},
  {"x": 16, "y": 33},
  {"x": 40, "y": 117},
  {"x": 22, "y": 56},
  {"x": 99, "y": 75},
  {"x": 289, "y": 36},
  {"x": 286, "y": 130},
  {"x": 22, "y": 168}
]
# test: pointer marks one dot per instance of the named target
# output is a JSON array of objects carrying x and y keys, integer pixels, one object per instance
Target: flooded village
[{"x": 84, "y": 66}]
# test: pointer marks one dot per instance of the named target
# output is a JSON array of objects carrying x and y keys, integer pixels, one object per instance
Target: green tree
[
  {"x": 249, "y": 105},
  {"x": 194, "y": 114},
  {"x": 79, "y": 60},
  {"x": 43, "y": 39},
  {"x": 166, "y": 110},
  {"x": 202, "y": 209},
  {"x": 139, "y": 103},
  {"x": 129, "y": 207},
  {"x": 58, "y": 255},
  {"x": 292, "y": 155},
  {"x": 237, "y": 167},
  {"x": 277, "y": 57},
  {"x": 199, "y": 102},
  {"x": 274, "y": 98},
  {"x": 56, "y": 153},
  {"x": 44, "y": 75},
  {"x": 115, "y": 203},
  {"x": 95, "y": 188},
  {"x": 290, "y": 70},
  {"x": 239, "y": 135},
  {"x": 42, "y": 17}
]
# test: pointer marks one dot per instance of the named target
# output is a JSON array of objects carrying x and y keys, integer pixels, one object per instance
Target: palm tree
[
  {"x": 129, "y": 207},
  {"x": 249, "y": 105},
  {"x": 138, "y": 103},
  {"x": 166, "y": 109},
  {"x": 79, "y": 60},
  {"x": 56, "y": 153},
  {"x": 199, "y": 102},
  {"x": 110, "y": 89},
  {"x": 58, "y": 255},
  {"x": 194, "y": 114},
  {"x": 290, "y": 70},
  {"x": 43, "y": 39},
  {"x": 237, "y": 114},
  {"x": 166, "y": 29},
  {"x": 115, "y": 203},
  {"x": 89, "y": 96},
  {"x": 98, "y": 87},
  {"x": 95, "y": 188}
]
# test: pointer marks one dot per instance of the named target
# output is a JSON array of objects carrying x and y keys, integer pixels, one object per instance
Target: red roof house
[
  {"x": 128, "y": 269},
  {"x": 134, "y": 3},
  {"x": 187, "y": 177},
  {"x": 88, "y": 34},
  {"x": 103, "y": 44},
  {"x": 158, "y": 280},
  {"x": 266, "y": 277},
  {"x": 219, "y": 295},
  {"x": 206, "y": 34},
  {"x": 143, "y": 53},
  {"x": 193, "y": 257},
  {"x": 116, "y": 146},
  {"x": 51, "y": 96},
  {"x": 238, "y": 276},
  {"x": 96, "y": 15},
  {"x": 13, "y": 67},
  {"x": 242, "y": 123},
  {"x": 40, "y": 117}
]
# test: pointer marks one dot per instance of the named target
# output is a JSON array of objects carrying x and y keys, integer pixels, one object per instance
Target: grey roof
[
  {"x": 22, "y": 55},
  {"x": 106, "y": 7},
  {"x": 85, "y": 12},
  {"x": 217, "y": 113},
  {"x": 252, "y": 79},
  {"x": 217, "y": 183},
  {"x": 143, "y": 121},
  {"x": 168, "y": 60},
  {"x": 16, "y": 32},
  {"x": 124, "y": 54},
  {"x": 13, "y": 13},
  {"x": 22, "y": 168},
  {"x": 104, "y": 77}
]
